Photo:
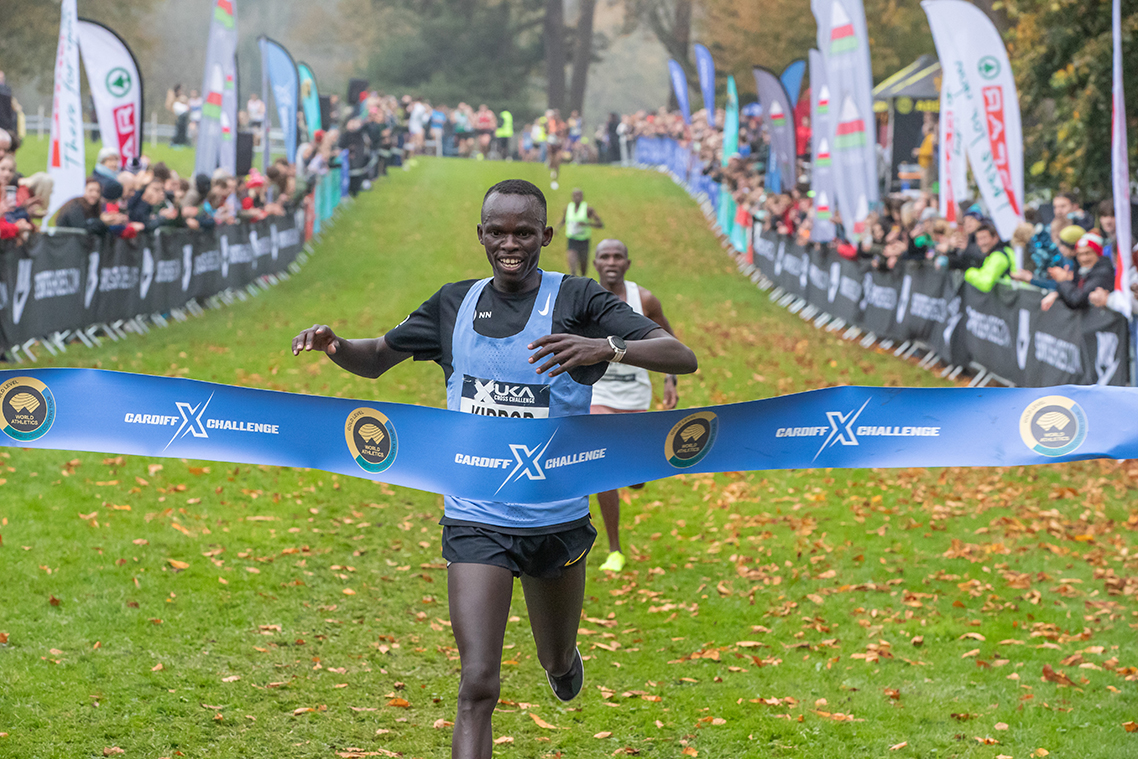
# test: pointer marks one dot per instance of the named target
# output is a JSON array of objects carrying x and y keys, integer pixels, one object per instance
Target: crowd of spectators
[{"x": 1061, "y": 247}]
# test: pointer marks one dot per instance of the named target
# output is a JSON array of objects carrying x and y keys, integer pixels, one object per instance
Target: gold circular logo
[
  {"x": 904, "y": 105},
  {"x": 690, "y": 439},
  {"x": 27, "y": 407},
  {"x": 1053, "y": 426},
  {"x": 371, "y": 439}
]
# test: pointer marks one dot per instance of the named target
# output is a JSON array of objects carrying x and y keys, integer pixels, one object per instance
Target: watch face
[{"x": 618, "y": 343}]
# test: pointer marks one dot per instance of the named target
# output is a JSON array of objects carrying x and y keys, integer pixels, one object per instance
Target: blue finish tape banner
[{"x": 539, "y": 460}]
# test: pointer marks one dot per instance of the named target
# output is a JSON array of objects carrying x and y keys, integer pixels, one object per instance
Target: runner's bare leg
[
  {"x": 479, "y": 596},
  {"x": 609, "y": 501},
  {"x": 554, "y": 612}
]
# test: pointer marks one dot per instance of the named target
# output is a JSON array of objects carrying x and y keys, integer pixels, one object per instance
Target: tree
[
  {"x": 554, "y": 39},
  {"x": 31, "y": 34},
  {"x": 582, "y": 55},
  {"x": 1061, "y": 52},
  {"x": 454, "y": 50}
]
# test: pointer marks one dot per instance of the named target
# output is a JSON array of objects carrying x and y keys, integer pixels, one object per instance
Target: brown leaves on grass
[
  {"x": 543, "y": 724},
  {"x": 1130, "y": 727},
  {"x": 402, "y": 703},
  {"x": 1051, "y": 676},
  {"x": 112, "y": 750}
]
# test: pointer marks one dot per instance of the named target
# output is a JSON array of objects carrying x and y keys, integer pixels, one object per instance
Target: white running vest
[{"x": 623, "y": 387}]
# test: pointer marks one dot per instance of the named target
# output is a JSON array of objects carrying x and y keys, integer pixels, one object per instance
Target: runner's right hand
[{"x": 318, "y": 337}]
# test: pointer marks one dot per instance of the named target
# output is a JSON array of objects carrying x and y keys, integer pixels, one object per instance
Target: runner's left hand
[{"x": 568, "y": 352}]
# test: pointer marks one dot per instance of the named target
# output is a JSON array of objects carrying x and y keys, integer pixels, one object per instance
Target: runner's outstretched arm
[
  {"x": 368, "y": 358},
  {"x": 658, "y": 352},
  {"x": 597, "y": 223}
]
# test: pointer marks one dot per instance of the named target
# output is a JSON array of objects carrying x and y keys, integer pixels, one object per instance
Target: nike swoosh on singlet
[{"x": 545, "y": 309}]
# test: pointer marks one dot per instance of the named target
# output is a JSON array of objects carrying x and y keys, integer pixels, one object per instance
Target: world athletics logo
[
  {"x": 1053, "y": 426},
  {"x": 27, "y": 407},
  {"x": 371, "y": 439},
  {"x": 690, "y": 439}
]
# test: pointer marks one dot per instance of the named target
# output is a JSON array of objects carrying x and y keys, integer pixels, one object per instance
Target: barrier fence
[
  {"x": 1001, "y": 335},
  {"x": 67, "y": 286}
]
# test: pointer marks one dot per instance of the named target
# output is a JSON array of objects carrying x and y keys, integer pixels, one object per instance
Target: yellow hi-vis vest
[{"x": 576, "y": 222}]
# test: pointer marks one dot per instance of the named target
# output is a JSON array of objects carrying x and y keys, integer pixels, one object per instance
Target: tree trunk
[
  {"x": 582, "y": 56},
  {"x": 681, "y": 30},
  {"x": 998, "y": 16},
  {"x": 555, "y": 52}
]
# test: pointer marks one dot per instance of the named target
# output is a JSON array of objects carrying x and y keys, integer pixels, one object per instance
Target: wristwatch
[{"x": 618, "y": 348}]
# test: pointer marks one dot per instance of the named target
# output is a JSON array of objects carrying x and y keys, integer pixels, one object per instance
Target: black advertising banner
[
  {"x": 990, "y": 328},
  {"x": 69, "y": 281},
  {"x": 119, "y": 269},
  {"x": 49, "y": 286},
  {"x": 879, "y": 297},
  {"x": 1106, "y": 347},
  {"x": 1003, "y": 331}
]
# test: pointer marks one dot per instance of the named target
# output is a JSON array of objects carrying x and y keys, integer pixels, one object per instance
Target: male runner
[
  {"x": 579, "y": 221},
  {"x": 521, "y": 328},
  {"x": 625, "y": 389}
]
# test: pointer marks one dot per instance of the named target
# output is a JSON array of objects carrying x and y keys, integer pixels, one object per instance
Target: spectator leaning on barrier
[
  {"x": 999, "y": 260},
  {"x": 86, "y": 211},
  {"x": 1060, "y": 258},
  {"x": 1066, "y": 207},
  {"x": 1091, "y": 283}
]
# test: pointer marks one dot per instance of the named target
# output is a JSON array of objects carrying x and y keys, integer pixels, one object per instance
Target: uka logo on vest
[{"x": 510, "y": 399}]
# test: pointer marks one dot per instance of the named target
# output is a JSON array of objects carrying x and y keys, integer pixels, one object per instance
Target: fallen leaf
[
  {"x": 1001, "y": 726},
  {"x": 604, "y": 734},
  {"x": 917, "y": 641},
  {"x": 898, "y": 746},
  {"x": 893, "y": 693},
  {"x": 440, "y": 723},
  {"x": 542, "y": 723},
  {"x": 402, "y": 703},
  {"x": 112, "y": 750},
  {"x": 972, "y": 636},
  {"x": 1051, "y": 676},
  {"x": 689, "y": 751},
  {"x": 1130, "y": 726},
  {"x": 971, "y": 653},
  {"x": 503, "y": 739},
  {"x": 141, "y": 542},
  {"x": 231, "y": 679},
  {"x": 3, "y": 639},
  {"x": 302, "y": 710},
  {"x": 987, "y": 741},
  {"x": 157, "y": 667},
  {"x": 53, "y": 601},
  {"x": 178, "y": 564},
  {"x": 348, "y": 592},
  {"x": 1040, "y": 752}
]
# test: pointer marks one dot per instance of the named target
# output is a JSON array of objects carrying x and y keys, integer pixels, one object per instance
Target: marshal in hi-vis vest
[{"x": 576, "y": 221}]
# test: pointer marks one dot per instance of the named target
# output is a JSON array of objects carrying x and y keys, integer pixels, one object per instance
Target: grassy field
[{"x": 178, "y": 608}]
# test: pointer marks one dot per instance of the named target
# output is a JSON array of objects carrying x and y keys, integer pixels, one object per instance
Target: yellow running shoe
[{"x": 614, "y": 563}]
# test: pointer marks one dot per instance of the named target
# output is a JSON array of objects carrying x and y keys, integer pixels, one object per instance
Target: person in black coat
[{"x": 1095, "y": 272}]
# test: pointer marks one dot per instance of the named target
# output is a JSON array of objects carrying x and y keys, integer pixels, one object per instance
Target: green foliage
[
  {"x": 460, "y": 50},
  {"x": 31, "y": 33},
  {"x": 1061, "y": 51}
]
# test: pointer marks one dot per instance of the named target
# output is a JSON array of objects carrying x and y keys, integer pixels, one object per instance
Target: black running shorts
[
  {"x": 544, "y": 556},
  {"x": 579, "y": 246}
]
